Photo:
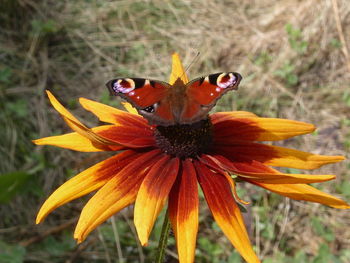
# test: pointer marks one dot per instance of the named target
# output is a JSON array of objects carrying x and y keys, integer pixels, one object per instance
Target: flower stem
[{"x": 163, "y": 239}]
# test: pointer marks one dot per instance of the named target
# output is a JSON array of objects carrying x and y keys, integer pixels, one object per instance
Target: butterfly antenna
[{"x": 193, "y": 60}]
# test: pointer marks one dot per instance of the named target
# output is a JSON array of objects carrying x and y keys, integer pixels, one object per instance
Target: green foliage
[
  {"x": 346, "y": 98},
  {"x": 58, "y": 246},
  {"x": 17, "y": 109},
  {"x": 266, "y": 226},
  {"x": 263, "y": 59},
  {"x": 325, "y": 255},
  {"x": 346, "y": 122},
  {"x": 19, "y": 163},
  {"x": 343, "y": 188},
  {"x": 44, "y": 27},
  {"x": 235, "y": 257},
  {"x": 53, "y": 248},
  {"x": 287, "y": 73},
  {"x": 127, "y": 240},
  {"x": 300, "y": 257},
  {"x": 136, "y": 51},
  {"x": 5, "y": 76},
  {"x": 209, "y": 251},
  {"x": 295, "y": 39},
  {"x": 11, "y": 184},
  {"x": 11, "y": 253},
  {"x": 335, "y": 43},
  {"x": 321, "y": 230},
  {"x": 278, "y": 258},
  {"x": 292, "y": 170},
  {"x": 106, "y": 98},
  {"x": 345, "y": 256},
  {"x": 20, "y": 185}
]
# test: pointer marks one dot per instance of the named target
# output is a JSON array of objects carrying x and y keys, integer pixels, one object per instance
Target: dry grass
[{"x": 292, "y": 54}]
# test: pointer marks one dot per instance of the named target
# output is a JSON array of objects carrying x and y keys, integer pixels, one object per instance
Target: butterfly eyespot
[
  {"x": 123, "y": 85},
  {"x": 225, "y": 80},
  {"x": 149, "y": 109}
]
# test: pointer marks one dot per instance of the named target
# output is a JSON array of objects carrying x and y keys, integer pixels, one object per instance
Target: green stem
[{"x": 163, "y": 239}]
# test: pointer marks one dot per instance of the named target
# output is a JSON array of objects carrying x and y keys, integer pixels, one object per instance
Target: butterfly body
[{"x": 164, "y": 104}]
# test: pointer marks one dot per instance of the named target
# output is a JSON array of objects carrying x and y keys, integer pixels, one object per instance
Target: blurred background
[{"x": 294, "y": 59}]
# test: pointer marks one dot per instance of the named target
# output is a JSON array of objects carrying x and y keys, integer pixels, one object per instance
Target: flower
[{"x": 143, "y": 172}]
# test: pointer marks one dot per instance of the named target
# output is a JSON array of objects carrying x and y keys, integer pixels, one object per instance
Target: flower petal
[
  {"x": 177, "y": 70},
  {"x": 153, "y": 194},
  {"x": 183, "y": 212},
  {"x": 77, "y": 126},
  {"x": 224, "y": 116},
  {"x": 114, "y": 138},
  {"x": 109, "y": 114},
  {"x": 75, "y": 141},
  {"x": 132, "y": 137},
  {"x": 119, "y": 192},
  {"x": 275, "y": 155},
  {"x": 226, "y": 213},
  {"x": 62, "y": 110},
  {"x": 72, "y": 141},
  {"x": 86, "y": 182},
  {"x": 88, "y": 133},
  {"x": 130, "y": 108},
  {"x": 259, "y": 129},
  {"x": 233, "y": 190},
  {"x": 250, "y": 169},
  {"x": 304, "y": 192}
]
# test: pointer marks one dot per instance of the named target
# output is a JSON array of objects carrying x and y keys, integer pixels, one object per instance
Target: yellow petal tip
[
  {"x": 143, "y": 238},
  {"x": 78, "y": 238},
  {"x": 339, "y": 157},
  {"x": 346, "y": 206},
  {"x": 40, "y": 217},
  {"x": 177, "y": 70},
  {"x": 50, "y": 95},
  {"x": 41, "y": 141},
  {"x": 129, "y": 108},
  {"x": 82, "y": 100}
]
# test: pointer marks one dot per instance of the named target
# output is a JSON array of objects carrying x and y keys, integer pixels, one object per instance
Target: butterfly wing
[
  {"x": 203, "y": 93},
  {"x": 163, "y": 104},
  {"x": 146, "y": 96}
]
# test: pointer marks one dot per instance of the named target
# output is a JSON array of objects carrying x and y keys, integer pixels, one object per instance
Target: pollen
[{"x": 185, "y": 140}]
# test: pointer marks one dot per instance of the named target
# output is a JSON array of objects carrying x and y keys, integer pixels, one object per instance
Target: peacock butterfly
[{"x": 164, "y": 104}]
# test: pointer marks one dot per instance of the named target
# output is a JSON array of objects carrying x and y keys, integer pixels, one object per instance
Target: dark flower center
[{"x": 185, "y": 140}]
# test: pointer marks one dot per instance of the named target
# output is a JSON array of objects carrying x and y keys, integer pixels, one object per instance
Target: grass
[{"x": 294, "y": 64}]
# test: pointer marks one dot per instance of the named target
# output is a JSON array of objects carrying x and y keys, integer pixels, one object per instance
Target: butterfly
[{"x": 164, "y": 104}]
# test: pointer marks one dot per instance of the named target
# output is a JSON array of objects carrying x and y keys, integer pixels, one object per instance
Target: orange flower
[{"x": 143, "y": 173}]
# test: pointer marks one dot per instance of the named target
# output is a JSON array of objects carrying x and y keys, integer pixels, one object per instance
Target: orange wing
[
  {"x": 146, "y": 96},
  {"x": 204, "y": 92}
]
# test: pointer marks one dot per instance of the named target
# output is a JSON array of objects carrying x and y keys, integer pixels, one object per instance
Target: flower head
[{"x": 156, "y": 164}]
